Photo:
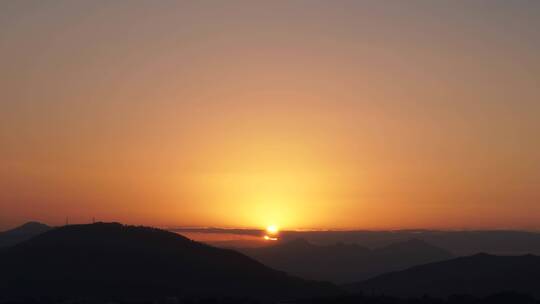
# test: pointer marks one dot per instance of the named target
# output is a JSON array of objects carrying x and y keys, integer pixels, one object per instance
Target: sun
[{"x": 272, "y": 229}]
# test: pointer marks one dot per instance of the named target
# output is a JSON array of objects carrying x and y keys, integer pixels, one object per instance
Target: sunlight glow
[
  {"x": 268, "y": 238},
  {"x": 272, "y": 229}
]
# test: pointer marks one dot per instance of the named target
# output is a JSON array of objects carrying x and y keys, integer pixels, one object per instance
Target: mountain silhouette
[
  {"x": 341, "y": 263},
  {"x": 478, "y": 275},
  {"x": 22, "y": 233},
  {"x": 460, "y": 243},
  {"x": 113, "y": 259}
]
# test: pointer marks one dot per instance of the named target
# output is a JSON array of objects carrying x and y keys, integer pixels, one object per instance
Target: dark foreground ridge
[
  {"x": 478, "y": 275},
  {"x": 499, "y": 298},
  {"x": 113, "y": 259}
]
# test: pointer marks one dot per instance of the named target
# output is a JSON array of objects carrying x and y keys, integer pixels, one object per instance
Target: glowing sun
[{"x": 272, "y": 229}]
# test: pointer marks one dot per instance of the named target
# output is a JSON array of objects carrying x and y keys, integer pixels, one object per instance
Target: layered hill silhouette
[
  {"x": 22, "y": 233},
  {"x": 113, "y": 259},
  {"x": 478, "y": 275},
  {"x": 460, "y": 243},
  {"x": 345, "y": 263}
]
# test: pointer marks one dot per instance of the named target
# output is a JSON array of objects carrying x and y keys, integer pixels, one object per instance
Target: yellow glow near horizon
[
  {"x": 272, "y": 229},
  {"x": 196, "y": 114}
]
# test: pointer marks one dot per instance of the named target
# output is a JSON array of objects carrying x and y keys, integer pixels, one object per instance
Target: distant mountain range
[
  {"x": 478, "y": 275},
  {"x": 113, "y": 259},
  {"x": 459, "y": 242},
  {"x": 341, "y": 263},
  {"x": 22, "y": 233}
]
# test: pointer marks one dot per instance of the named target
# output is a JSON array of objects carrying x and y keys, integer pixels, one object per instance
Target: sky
[{"x": 301, "y": 114}]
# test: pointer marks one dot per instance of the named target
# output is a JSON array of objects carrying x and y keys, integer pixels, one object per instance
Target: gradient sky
[{"x": 304, "y": 114}]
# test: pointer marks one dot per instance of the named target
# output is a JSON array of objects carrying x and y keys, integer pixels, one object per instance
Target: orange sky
[{"x": 304, "y": 114}]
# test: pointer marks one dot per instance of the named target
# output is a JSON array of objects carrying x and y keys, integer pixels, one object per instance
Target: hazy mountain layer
[
  {"x": 22, "y": 233},
  {"x": 342, "y": 263}
]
